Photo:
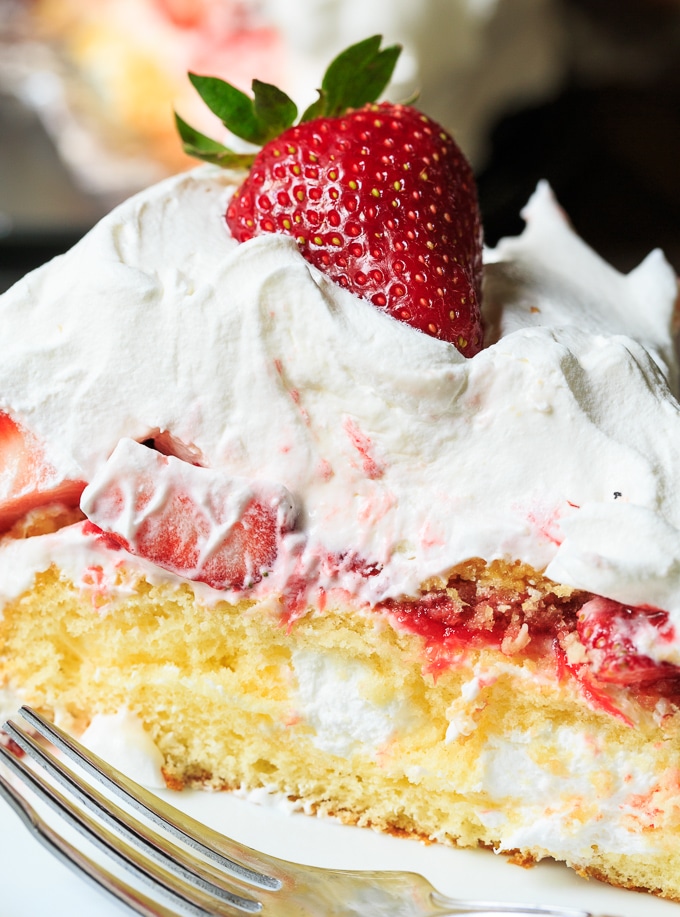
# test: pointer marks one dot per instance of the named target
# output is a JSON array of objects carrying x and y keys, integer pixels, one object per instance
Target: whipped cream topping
[{"x": 398, "y": 452}]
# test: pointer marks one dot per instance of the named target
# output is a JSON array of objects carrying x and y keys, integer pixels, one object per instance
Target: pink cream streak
[
  {"x": 430, "y": 537},
  {"x": 94, "y": 584},
  {"x": 547, "y": 522},
  {"x": 374, "y": 508},
  {"x": 324, "y": 470},
  {"x": 372, "y": 467},
  {"x": 293, "y": 393}
]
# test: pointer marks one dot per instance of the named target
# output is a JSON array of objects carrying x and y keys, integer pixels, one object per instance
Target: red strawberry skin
[
  {"x": 382, "y": 201},
  {"x": 196, "y": 522},
  {"x": 27, "y": 477},
  {"x": 611, "y": 634}
]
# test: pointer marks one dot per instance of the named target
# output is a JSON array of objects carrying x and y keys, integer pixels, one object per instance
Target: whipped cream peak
[
  {"x": 535, "y": 281},
  {"x": 398, "y": 453}
]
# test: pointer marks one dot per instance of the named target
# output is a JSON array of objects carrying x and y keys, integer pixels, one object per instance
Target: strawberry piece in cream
[
  {"x": 200, "y": 523},
  {"x": 28, "y": 478}
]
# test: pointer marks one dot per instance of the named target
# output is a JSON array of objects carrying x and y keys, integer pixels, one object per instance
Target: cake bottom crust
[{"x": 353, "y": 714}]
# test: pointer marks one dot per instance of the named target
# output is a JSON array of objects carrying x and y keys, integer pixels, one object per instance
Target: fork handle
[
  {"x": 483, "y": 909},
  {"x": 456, "y": 908}
]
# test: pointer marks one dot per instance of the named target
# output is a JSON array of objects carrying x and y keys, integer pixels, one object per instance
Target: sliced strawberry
[
  {"x": 27, "y": 478},
  {"x": 197, "y": 522},
  {"x": 613, "y": 633},
  {"x": 378, "y": 197}
]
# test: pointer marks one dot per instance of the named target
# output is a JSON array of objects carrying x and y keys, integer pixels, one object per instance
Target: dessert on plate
[{"x": 288, "y": 506}]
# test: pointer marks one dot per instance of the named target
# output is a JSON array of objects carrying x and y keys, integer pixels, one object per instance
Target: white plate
[{"x": 33, "y": 882}]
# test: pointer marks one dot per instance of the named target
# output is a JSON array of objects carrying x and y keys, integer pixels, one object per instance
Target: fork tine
[
  {"x": 200, "y": 898},
  {"x": 187, "y": 898},
  {"x": 169, "y": 855},
  {"x": 238, "y": 860},
  {"x": 99, "y": 877}
]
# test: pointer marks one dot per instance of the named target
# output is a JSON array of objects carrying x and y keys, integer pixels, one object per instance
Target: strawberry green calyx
[{"x": 356, "y": 77}]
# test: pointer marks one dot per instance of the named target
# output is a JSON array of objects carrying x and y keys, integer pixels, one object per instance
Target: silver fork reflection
[{"x": 189, "y": 868}]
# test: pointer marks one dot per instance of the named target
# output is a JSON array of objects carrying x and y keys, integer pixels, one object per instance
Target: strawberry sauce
[{"x": 595, "y": 641}]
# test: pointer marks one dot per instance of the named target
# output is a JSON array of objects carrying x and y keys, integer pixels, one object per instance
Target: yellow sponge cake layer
[{"x": 344, "y": 712}]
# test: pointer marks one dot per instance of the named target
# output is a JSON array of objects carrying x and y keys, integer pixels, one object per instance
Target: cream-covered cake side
[{"x": 246, "y": 359}]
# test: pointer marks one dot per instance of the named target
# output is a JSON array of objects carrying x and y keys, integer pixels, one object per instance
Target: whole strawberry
[{"x": 378, "y": 197}]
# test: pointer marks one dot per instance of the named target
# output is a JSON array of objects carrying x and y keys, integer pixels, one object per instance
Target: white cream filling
[
  {"x": 121, "y": 740},
  {"x": 333, "y": 697},
  {"x": 10, "y": 701},
  {"x": 564, "y": 793}
]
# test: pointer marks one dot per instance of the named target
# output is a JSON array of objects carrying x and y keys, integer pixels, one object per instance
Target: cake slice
[{"x": 309, "y": 547}]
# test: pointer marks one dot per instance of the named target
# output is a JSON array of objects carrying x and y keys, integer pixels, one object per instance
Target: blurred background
[{"x": 585, "y": 93}]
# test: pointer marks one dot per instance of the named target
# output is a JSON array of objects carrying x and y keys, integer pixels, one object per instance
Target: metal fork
[{"x": 197, "y": 870}]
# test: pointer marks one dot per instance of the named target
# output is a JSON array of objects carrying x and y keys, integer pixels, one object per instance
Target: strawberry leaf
[
  {"x": 234, "y": 108},
  {"x": 199, "y": 146},
  {"x": 356, "y": 77},
  {"x": 256, "y": 120},
  {"x": 274, "y": 110}
]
